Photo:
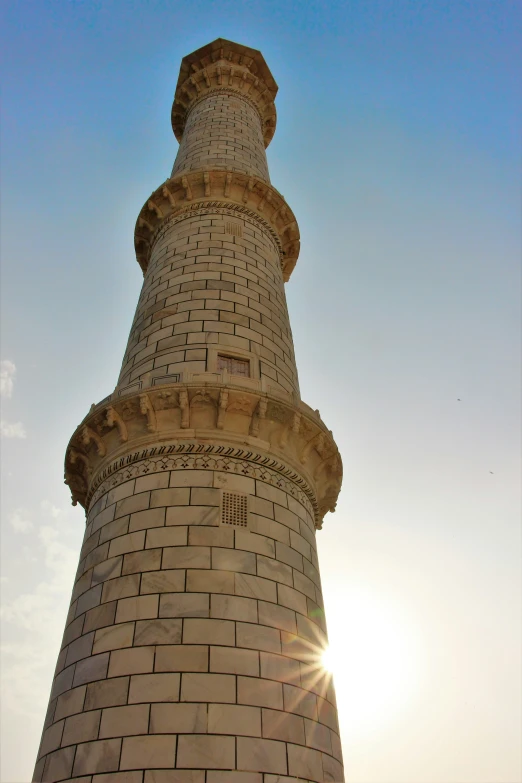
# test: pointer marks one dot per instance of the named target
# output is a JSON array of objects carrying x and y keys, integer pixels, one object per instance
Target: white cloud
[
  {"x": 7, "y": 374},
  {"x": 12, "y": 430},
  {"x": 49, "y": 509},
  {"x": 34, "y": 619},
  {"x": 19, "y": 522}
]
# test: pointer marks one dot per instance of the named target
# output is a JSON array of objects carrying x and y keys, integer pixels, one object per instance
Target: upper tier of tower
[
  {"x": 223, "y": 116},
  {"x": 225, "y": 64},
  {"x": 210, "y": 353}
]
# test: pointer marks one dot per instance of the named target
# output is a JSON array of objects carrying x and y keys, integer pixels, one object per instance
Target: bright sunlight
[{"x": 373, "y": 659}]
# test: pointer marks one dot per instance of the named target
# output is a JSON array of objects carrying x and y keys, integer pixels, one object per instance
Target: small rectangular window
[
  {"x": 234, "y": 509},
  {"x": 234, "y": 366}
]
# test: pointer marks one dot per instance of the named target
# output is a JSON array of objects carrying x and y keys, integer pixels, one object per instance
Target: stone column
[{"x": 193, "y": 643}]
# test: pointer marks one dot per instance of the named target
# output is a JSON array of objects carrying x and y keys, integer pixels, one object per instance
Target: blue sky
[{"x": 398, "y": 149}]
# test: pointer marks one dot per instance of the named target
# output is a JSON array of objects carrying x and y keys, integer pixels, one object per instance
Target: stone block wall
[
  {"x": 192, "y": 647},
  {"x": 214, "y": 281},
  {"x": 223, "y": 131}
]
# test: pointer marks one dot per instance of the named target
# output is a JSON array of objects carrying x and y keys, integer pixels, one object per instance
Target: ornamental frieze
[{"x": 190, "y": 456}]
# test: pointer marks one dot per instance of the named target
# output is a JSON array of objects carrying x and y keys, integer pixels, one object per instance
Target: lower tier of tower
[{"x": 192, "y": 651}]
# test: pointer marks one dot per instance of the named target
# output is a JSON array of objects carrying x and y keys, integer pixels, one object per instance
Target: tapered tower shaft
[{"x": 192, "y": 649}]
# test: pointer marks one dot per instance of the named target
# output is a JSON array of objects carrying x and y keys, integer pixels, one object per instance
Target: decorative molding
[
  {"x": 190, "y": 192},
  {"x": 209, "y": 413},
  {"x": 209, "y": 456}
]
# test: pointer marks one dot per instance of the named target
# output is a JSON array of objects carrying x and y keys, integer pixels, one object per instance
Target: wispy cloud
[
  {"x": 33, "y": 620},
  {"x": 19, "y": 521},
  {"x": 50, "y": 509},
  {"x": 13, "y": 429},
  {"x": 7, "y": 374}
]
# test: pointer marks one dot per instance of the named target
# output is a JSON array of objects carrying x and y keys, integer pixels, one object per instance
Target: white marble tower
[{"x": 192, "y": 650}]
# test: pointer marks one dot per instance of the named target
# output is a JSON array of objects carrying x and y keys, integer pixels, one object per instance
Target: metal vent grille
[
  {"x": 234, "y": 229},
  {"x": 234, "y": 509}
]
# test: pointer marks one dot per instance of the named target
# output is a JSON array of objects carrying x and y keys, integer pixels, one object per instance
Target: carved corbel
[
  {"x": 222, "y": 408},
  {"x": 185, "y": 408},
  {"x": 142, "y": 222},
  {"x": 78, "y": 488},
  {"x": 248, "y": 190},
  {"x": 141, "y": 240},
  {"x": 293, "y": 426},
  {"x": 228, "y": 181},
  {"x": 87, "y": 435},
  {"x": 243, "y": 81},
  {"x": 288, "y": 225},
  {"x": 219, "y": 75},
  {"x": 113, "y": 419},
  {"x": 166, "y": 192},
  {"x": 277, "y": 211},
  {"x": 206, "y": 77},
  {"x": 188, "y": 189},
  {"x": 77, "y": 456},
  {"x": 264, "y": 198},
  {"x": 195, "y": 84},
  {"x": 206, "y": 180},
  {"x": 147, "y": 410},
  {"x": 327, "y": 504},
  {"x": 316, "y": 442},
  {"x": 330, "y": 467},
  {"x": 154, "y": 208},
  {"x": 259, "y": 415},
  {"x": 253, "y": 83}
]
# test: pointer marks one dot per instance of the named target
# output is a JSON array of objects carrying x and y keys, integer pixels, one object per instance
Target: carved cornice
[
  {"x": 219, "y": 189},
  {"x": 225, "y": 65},
  {"x": 219, "y": 418}
]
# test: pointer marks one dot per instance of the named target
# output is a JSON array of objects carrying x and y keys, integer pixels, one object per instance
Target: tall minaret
[{"x": 192, "y": 649}]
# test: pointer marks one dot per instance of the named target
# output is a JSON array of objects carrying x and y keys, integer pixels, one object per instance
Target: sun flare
[
  {"x": 372, "y": 659},
  {"x": 327, "y": 660}
]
